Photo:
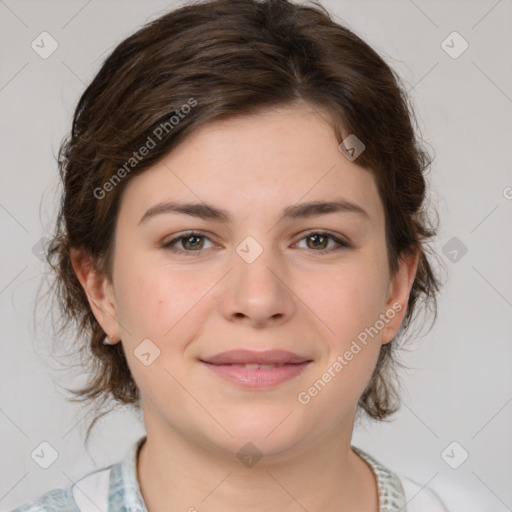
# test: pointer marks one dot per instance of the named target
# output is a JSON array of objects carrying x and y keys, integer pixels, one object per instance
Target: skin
[{"x": 296, "y": 296}]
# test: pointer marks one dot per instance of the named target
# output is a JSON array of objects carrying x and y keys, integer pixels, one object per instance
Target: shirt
[{"x": 116, "y": 489}]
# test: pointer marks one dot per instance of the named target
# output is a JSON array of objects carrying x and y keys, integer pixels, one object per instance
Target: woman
[{"x": 242, "y": 243}]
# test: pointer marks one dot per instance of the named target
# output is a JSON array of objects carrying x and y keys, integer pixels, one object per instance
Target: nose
[{"x": 258, "y": 293}]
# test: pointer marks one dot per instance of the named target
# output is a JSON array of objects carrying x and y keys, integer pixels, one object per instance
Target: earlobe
[
  {"x": 97, "y": 287},
  {"x": 109, "y": 340}
]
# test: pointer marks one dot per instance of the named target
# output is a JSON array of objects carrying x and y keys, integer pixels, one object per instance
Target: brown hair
[{"x": 225, "y": 58}]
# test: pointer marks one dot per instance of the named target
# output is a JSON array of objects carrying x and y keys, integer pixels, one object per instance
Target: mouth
[{"x": 253, "y": 370}]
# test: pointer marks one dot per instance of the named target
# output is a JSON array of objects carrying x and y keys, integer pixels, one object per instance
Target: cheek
[
  {"x": 159, "y": 306},
  {"x": 348, "y": 308},
  {"x": 349, "y": 303},
  {"x": 151, "y": 300},
  {"x": 346, "y": 300}
]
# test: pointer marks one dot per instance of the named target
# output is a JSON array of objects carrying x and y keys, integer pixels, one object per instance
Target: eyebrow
[{"x": 209, "y": 212}]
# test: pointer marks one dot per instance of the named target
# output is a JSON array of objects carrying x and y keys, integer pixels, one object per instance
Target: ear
[
  {"x": 398, "y": 294},
  {"x": 99, "y": 291}
]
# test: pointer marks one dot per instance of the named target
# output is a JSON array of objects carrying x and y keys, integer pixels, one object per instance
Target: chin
[{"x": 264, "y": 435}]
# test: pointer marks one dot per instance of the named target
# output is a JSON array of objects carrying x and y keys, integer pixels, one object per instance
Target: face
[{"x": 261, "y": 272}]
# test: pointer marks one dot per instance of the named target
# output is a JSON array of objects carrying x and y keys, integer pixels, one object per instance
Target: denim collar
[{"x": 124, "y": 491}]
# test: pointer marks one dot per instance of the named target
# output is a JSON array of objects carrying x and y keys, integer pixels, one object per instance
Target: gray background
[{"x": 459, "y": 386}]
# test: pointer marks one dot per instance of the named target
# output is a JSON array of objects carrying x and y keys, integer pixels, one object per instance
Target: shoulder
[
  {"x": 420, "y": 498},
  {"x": 75, "y": 498},
  {"x": 56, "y": 500},
  {"x": 398, "y": 492},
  {"x": 108, "y": 488},
  {"x": 449, "y": 496}
]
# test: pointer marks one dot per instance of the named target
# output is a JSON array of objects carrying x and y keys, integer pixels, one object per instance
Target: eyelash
[{"x": 170, "y": 244}]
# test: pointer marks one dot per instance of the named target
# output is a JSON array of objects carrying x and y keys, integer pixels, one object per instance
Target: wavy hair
[{"x": 234, "y": 58}]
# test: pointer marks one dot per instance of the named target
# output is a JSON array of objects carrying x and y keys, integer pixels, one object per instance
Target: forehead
[{"x": 255, "y": 164}]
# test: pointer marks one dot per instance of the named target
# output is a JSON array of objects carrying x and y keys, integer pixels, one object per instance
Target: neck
[{"x": 177, "y": 474}]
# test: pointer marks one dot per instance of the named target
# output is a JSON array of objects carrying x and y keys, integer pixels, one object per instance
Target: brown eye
[
  {"x": 190, "y": 243},
  {"x": 319, "y": 242}
]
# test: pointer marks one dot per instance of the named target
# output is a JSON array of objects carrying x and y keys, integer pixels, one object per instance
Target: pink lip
[
  {"x": 252, "y": 357},
  {"x": 227, "y": 365}
]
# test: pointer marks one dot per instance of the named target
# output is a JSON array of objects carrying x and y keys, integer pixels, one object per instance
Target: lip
[
  {"x": 228, "y": 366},
  {"x": 251, "y": 357}
]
